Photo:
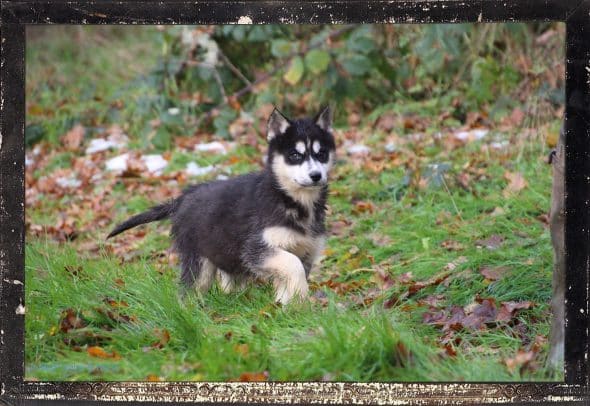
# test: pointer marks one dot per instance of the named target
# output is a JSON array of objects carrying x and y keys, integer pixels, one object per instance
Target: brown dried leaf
[
  {"x": 451, "y": 245},
  {"x": 433, "y": 301},
  {"x": 70, "y": 320},
  {"x": 254, "y": 377},
  {"x": 242, "y": 349},
  {"x": 73, "y": 138},
  {"x": 99, "y": 352},
  {"x": 516, "y": 183},
  {"x": 522, "y": 360},
  {"x": 492, "y": 242},
  {"x": 433, "y": 281},
  {"x": 507, "y": 310},
  {"x": 338, "y": 228},
  {"x": 494, "y": 273},
  {"x": 363, "y": 207},
  {"x": 484, "y": 312},
  {"x": 163, "y": 338}
]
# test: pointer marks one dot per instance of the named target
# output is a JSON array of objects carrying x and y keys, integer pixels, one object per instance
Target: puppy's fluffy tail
[{"x": 156, "y": 213}]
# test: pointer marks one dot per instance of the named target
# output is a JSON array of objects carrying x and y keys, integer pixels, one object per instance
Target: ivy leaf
[
  {"x": 295, "y": 71},
  {"x": 281, "y": 48},
  {"x": 356, "y": 65},
  {"x": 317, "y": 61}
]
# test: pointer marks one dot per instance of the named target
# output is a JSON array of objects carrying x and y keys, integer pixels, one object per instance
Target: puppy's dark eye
[
  {"x": 295, "y": 156},
  {"x": 322, "y": 155}
]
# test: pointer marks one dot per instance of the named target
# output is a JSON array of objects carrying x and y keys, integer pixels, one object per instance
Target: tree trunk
[{"x": 557, "y": 217}]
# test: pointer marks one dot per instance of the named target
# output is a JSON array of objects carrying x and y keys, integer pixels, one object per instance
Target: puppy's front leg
[{"x": 288, "y": 275}]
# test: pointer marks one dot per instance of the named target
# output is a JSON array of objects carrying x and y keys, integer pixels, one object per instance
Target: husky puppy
[{"x": 268, "y": 224}]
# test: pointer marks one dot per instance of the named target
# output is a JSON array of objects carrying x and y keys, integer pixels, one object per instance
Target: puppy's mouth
[{"x": 312, "y": 185}]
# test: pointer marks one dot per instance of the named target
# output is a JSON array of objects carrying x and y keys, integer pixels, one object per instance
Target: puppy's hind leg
[
  {"x": 197, "y": 272},
  {"x": 230, "y": 283}
]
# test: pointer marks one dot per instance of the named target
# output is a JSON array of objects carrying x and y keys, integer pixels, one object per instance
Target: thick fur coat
[{"x": 268, "y": 225}]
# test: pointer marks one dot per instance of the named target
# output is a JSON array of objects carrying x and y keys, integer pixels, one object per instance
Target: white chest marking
[{"x": 288, "y": 240}]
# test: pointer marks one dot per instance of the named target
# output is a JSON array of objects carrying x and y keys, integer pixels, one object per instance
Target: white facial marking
[
  {"x": 300, "y": 147},
  {"x": 288, "y": 276},
  {"x": 295, "y": 179},
  {"x": 316, "y": 146},
  {"x": 288, "y": 240}
]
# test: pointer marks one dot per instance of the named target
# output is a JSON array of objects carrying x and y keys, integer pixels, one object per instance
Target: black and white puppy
[{"x": 268, "y": 224}]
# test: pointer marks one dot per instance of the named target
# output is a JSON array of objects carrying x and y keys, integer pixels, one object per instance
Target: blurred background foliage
[{"x": 169, "y": 81}]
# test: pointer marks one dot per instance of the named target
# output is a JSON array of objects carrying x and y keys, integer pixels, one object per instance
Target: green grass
[
  {"x": 342, "y": 341},
  {"x": 127, "y": 294}
]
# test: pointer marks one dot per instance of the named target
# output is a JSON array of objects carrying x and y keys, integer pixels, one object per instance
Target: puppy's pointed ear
[
  {"x": 277, "y": 124},
  {"x": 324, "y": 119}
]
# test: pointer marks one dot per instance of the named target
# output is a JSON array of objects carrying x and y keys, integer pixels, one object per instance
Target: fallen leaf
[
  {"x": 516, "y": 183},
  {"x": 338, "y": 228},
  {"x": 153, "y": 378},
  {"x": 492, "y": 242},
  {"x": 451, "y": 266},
  {"x": 381, "y": 240},
  {"x": 433, "y": 301},
  {"x": 163, "y": 336},
  {"x": 484, "y": 312},
  {"x": 451, "y": 245},
  {"x": 363, "y": 207},
  {"x": 253, "y": 377},
  {"x": 507, "y": 309},
  {"x": 73, "y": 138},
  {"x": 433, "y": 281},
  {"x": 99, "y": 352},
  {"x": 70, "y": 320},
  {"x": 522, "y": 360},
  {"x": 493, "y": 273},
  {"x": 242, "y": 349}
]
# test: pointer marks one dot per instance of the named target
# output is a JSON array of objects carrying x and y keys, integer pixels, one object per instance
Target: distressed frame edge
[{"x": 100, "y": 390}]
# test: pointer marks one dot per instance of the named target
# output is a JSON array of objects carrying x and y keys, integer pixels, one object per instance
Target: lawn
[{"x": 437, "y": 267}]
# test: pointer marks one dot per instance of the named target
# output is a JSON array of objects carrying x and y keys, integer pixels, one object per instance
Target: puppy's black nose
[{"x": 315, "y": 176}]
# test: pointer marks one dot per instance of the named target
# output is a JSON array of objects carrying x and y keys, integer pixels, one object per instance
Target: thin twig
[
  {"x": 233, "y": 68},
  {"x": 220, "y": 83},
  {"x": 442, "y": 176}
]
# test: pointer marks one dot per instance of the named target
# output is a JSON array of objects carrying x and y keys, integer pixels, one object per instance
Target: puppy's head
[{"x": 301, "y": 152}]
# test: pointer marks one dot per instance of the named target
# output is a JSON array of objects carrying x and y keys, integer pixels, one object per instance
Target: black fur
[
  {"x": 223, "y": 220},
  {"x": 156, "y": 213}
]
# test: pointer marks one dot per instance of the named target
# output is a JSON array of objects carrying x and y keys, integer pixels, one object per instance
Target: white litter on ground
[
  {"x": 214, "y": 146},
  {"x": 102, "y": 144},
  {"x": 477, "y": 134},
  {"x": 118, "y": 163},
  {"x": 155, "y": 163},
  {"x": 358, "y": 149},
  {"x": 69, "y": 182},
  {"x": 116, "y": 139},
  {"x": 499, "y": 144},
  {"x": 390, "y": 147},
  {"x": 173, "y": 111},
  {"x": 192, "y": 169}
]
